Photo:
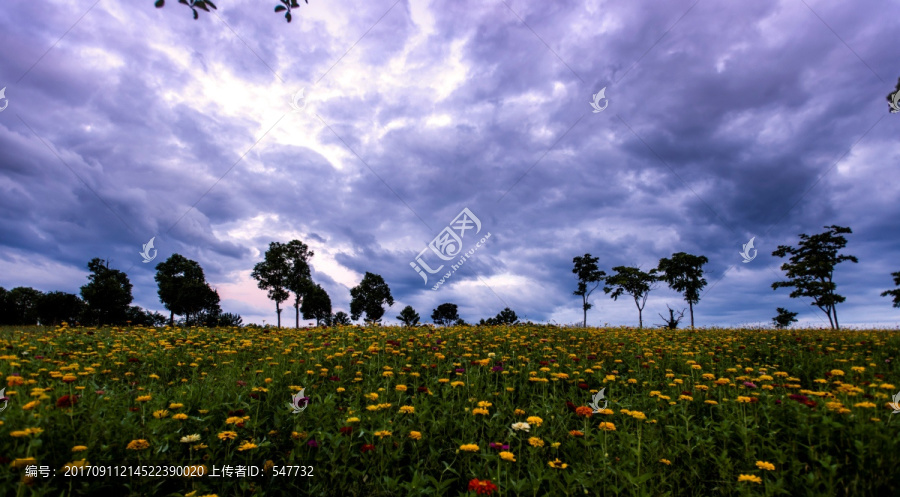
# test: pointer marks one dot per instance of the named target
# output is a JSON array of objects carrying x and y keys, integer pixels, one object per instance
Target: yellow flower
[
  {"x": 69, "y": 378},
  {"x": 666, "y": 462},
  {"x": 160, "y": 414},
  {"x": 535, "y": 442},
  {"x": 21, "y": 463},
  {"x": 867, "y": 405},
  {"x": 400, "y": 388},
  {"x": 457, "y": 384},
  {"x": 415, "y": 435},
  {"x": 744, "y": 399},
  {"x": 534, "y": 420},
  {"x": 139, "y": 444},
  {"x": 173, "y": 405},
  {"x": 79, "y": 448},
  {"x": 469, "y": 448},
  {"x": 857, "y": 369},
  {"x": 685, "y": 397},
  {"x": 234, "y": 420},
  {"x": 382, "y": 433},
  {"x": 753, "y": 478},
  {"x": 607, "y": 426},
  {"x": 576, "y": 433},
  {"x": 638, "y": 415},
  {"x": 711, "y": 402},
  {"x": 372, "y": 396},
  {"x": 557, "y": 464},
  {"x": 479, "y": 410},
  {"x": 508, "y": 456},
  {"x": 765, "y": 465},
  {"x": 519, "y": 412},
  {"x": 190, "y": 438},
  {"x": 143, "y": 398},
  {"x": 837, "y": 372},
  {"x": 18, "y": 433},
  {"x": 555, "y": 445},
  {"x": 203, "y": 411},
  {"x": 31, "y": 405},
  {"x": 353, "y": 420},
  {"x": 180, "y": 416},
  {"x": 341, "y": 390},
  {"x": 247, "y": 446},
  {"x": 408, "y": 409},
  {"x": 230, "y": 435},
  {"x": 484, "y": 403}
]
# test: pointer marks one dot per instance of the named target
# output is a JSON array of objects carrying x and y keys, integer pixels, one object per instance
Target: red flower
[
  {"x": 134, "y": 409},
  {"x": 347, "y": 430},
  {"x": 366, "y": 447},
  {"x": 482, "y": 486},
  {"x": 67, "y": 401},
  {"x": 584, "y": 386}
]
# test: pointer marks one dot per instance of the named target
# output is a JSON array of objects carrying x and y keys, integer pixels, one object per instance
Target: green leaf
[
  {"x": 279, "y": 8},
  {"x": 288, "y": 17},
  {"x": 195, "y": 14},
  {"x": 160, "y": 3},
  {"x": 212, "y": 5}
]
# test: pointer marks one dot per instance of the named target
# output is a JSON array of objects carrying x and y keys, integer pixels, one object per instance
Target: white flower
[
  {"x": 190, "y": 438},
  {"x": 521, "y": 426}
]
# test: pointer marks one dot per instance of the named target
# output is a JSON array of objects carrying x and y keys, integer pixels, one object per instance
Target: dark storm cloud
[{"x": 724, "y": 123}]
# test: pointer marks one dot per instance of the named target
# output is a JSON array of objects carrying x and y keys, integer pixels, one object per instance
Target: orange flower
[{"x": 584, "y": 411}]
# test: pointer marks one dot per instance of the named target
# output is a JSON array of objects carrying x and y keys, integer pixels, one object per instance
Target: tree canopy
[
  {"x": 589, "y": 278},
  {"x": 369, "y": 298}
]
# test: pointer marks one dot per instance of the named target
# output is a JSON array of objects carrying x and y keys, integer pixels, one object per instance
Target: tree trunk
[
  {"x": 834, "y": 311},
  {"x": 278, "y": 311},
  {"x": 171, "y": 319},
  {"x": 584, "y": 306},
  {"x": 691, "y": 305},
  {"x": 297, "y": 314}
]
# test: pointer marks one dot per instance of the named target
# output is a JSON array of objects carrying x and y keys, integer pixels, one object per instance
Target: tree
[
  {"x": 408, "y": 316},
  {"x": 369, "y": 298},
  {"x": 141, "y": 317},
  {"x": 634, "y": 282},
  {"x": 460, "y": 322},
  {"x": 587, "y": 272},
  {"x": 505, "y": 317},
  {"x": 317, "y": 305},
  {"x": 22, "y": 305},
  {"x": 205, "y": 5},
  {"x": 107, "y": 294},
  {"x": 811, "y": 268},
  {"x": 445, "y": 314},
  {"x": 672, "y": 321},
  {"x": 784, "y": 318},
  {"x": 340, "y": 318},
  {"x": 55, "y": 307},
  {"x": 297, "y": 255},
  {"x": 684, "y": 274},
  {"x": 272, "y": 274},
  {"x": 895, "y": 292},
  {"x": 183, "y": 289}
]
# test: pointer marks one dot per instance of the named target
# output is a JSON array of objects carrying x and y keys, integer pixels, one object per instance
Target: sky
[{"x": 364, "y": 129}]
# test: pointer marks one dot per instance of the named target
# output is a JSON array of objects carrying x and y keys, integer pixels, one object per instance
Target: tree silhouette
[
  {"x": 204, "y": 5},
  {"x": 811, "y": 268},
  {"x": 340, "y": 318},
  {"x": 784, "y": 318},
  {"x": 408, "y": 316},
  {"x": 505, "y": 317},
  {"x": 895, "y": 292},
  {"x": 273, "y": 275},
  {"x": 587, "y": 272},
  {"x": 445, "y": 314},
  {"x": 55, "y": 307},
  {"x": 107, "y": 294},
  {"x": 634, "y": 282},
  {"x": 684, "y": 274},
  {"x": 183, "y": 289},
  {"x": 369, "y": 298},
  {"x": 299, "y": 279},
  {"x": 317, "y": 305}
]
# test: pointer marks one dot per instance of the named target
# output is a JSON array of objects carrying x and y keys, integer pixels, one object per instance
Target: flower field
[{"x": 452, "y": 411}]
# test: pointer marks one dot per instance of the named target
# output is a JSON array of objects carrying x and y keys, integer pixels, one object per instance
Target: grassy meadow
[{"x": 452, "y": 411}]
